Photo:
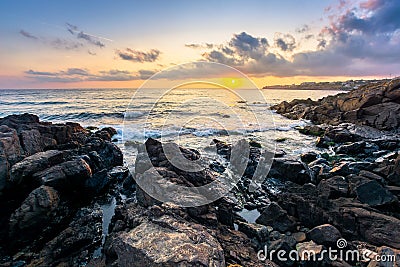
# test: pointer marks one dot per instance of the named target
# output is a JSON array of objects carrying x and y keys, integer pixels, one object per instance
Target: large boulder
[
  {"x": 290, "y": 170},
  {"x": 374, "y": 194},
  {"x": 23, "y": 170},
  {"x": 276, "y": 217},
  {"x": 34, "y": 214},
  {"x": 168, "y": 242},
  {"x": 69, "y": 175},
  {"x": 10, "y": 152},
  {"x": 325, "y": 234},
  {"x": 84, "y": 232}
]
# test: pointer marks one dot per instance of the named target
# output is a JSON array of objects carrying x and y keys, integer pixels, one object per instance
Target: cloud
[
  {"x": 200, "y": 46},
  {"x": 139, "y": 56},
  {"x": 82, "y": 75},
  {"x": 28, "y": 35},
  {"x": 239, "y": 49},
  {"x": 303, "y": 29},
  {"x": 91, "y": 39},
  {"x": 361, "y": 39},
  {"x": 66, "y": 44},
  {"x": 286, "y": 42}
]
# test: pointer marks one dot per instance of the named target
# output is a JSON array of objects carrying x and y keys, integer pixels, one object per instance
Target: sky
[{"x": 86, "y": 44}]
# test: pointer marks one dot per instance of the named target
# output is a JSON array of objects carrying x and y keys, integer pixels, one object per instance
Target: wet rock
[
  {"x": 309, "y": 157},
  {"x": 334, "y": 187},
  {"x": 324, "y": 142},
  {"x": 276, "y": 217},
  {"x": 34, "y": 214},
  {"x": 67, "y": 176},
  {"x": 351, "y": 149},
  {"x": 23, "y": 170},
  {"x": 98, "y": 182},
  {"x": 290, "y": 170},
  {"x": 374, "y": 194},
  {"x": 394, "y": 176},
  {"x": 253, "y": 230},
  {"x": 145, "y": 245},
  {"x": 314, "y": 130},
  {"x": 325, "y": 234},
  {"x": 83, "y": 233}
]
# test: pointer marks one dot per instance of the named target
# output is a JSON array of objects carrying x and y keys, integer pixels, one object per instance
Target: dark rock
[
  {"x": 253, "y": 230},
  {"x": 31, "y": 141},
  {"x": 10, "y": 152},
  {"x": 98, "y": 182},
  {"x": 308, "y": 157},
  {"x": 334, "y": 187},
  {"x": 34, "y": 214},
  {"x": 324, "y": 142},
  {"x": 314, "y": 130},
  {"x": 394, "y": 175},
  {"x": 84, "y": 232},
  {"x": 373, "y": 194},
  {"x": 351, "y": 149},
  {"x": 290, "y": 170},
  {"x": 67, "y": 176},
  {"x": 273, "y": 215},
  {"x": 23, "y": 170},
  {"x": 325, "y": 234}
]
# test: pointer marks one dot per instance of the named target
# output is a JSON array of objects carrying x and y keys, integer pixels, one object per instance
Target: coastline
[{"x": 55, "y": 177}]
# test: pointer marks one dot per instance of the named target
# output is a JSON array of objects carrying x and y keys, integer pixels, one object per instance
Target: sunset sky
[{"x": 83, "y": 44}]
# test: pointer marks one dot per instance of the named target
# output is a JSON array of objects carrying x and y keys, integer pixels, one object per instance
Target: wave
[
  {"x": 33, "y": 103},
  {"x": 84, "y": 116}
]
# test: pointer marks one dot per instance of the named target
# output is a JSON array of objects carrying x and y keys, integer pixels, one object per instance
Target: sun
[{"x": 232, "y": 82}]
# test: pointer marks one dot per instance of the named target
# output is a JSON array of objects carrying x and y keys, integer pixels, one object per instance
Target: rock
[
  {"x": 308, "y": 157},
  {"x": 300, "y": 237},
  {"x": 372, "y": 176},
  {"x": 84, "y": 232},
  {"x": 325, "y": 234},
  {"x": 31, "y": 141},
  {"x": 34, "y": 214},
  {"x": 314, "y": 130},
  {"x": 10, "y": 153},
  {"x": 375, "y": 228},
  {"x": 373, "y": 194},
  {"x": 67, "y": 176},
  {"x": 290, "y": 170},
  {"x": 253, "y": 230},
  {"x": 273, "y": 215},
  {"x": 374, "y": 105},
  {"x": 334, "y": 187},
  {"x": 168, "y": 242},
  {"x": 311, "y": 248},
  {"x": 351, "y": 149},
  {"x": 324, "y": 142},
  {"x": 23, "y": 170},
  {"x": 394, "y": 175},
  {"x": 98, "y": 182}
]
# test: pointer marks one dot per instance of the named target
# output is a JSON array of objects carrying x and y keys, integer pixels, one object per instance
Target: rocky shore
[{"x": 53, "y": 178}]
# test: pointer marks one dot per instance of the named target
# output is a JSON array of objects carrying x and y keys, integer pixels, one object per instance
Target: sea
[{"x": 191, "y": 117}]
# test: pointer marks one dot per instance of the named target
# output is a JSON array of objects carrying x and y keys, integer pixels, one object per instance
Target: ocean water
[{"x": 188, "y": 116}]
